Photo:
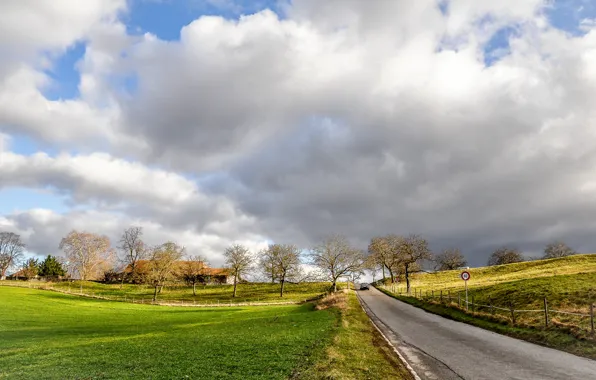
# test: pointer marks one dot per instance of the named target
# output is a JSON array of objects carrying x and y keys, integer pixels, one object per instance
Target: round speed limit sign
[{"x": 465, "y": 276}]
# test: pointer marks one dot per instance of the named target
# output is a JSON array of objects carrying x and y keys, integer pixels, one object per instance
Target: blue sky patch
[
  {"x": 26, "y": 146},
  {"x": 64, "y": 74},
  {"x": 568, "y": 14},
  {"x": 166, "y": 18},
  {"x": 17, "y": 198},
  {"x": 498, "y": 45}
]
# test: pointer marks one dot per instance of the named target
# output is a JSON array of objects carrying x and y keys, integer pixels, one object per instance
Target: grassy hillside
[
  {"x": 484, "y": 276},
  {"x": 211, "y": 294}
]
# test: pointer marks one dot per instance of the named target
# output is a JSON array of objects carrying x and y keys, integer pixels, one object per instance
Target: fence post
[
  {"x": 458, "y": 299},
  {"x": 441, "y": 296},
  {"x": 449, "y": 297},
  {"x": 490, "y": 305},
  {"x": 545, "y": 313},
  {"x": 512, "y": 313},
  {"x": 473, "y": 305},
  {"x": 592, "y": 318},
  {"x": 433, "y": 295}
]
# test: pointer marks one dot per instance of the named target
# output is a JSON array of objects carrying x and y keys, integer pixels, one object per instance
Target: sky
[{"x": 214, "y": 122}]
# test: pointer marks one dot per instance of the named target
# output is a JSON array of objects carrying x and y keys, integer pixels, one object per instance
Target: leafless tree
[
  {"x": 336, "y": 258},
  {"x": 412, "y": 250},
  {"x": 240, "y": 261},
  {"x": 385, "y": 252},
  {"x": 557, "y": 249},
  {"x": 133, "y": 250},
  {"x": 88, "y": 254},
  {"x": 505, "y": 255},
  {"x": 267, "y": 264},
  {"x": 450, "y": 259},
  {"x": 11, "y": 252},
  {"x": 285, "y": 260},
  {"x": 162, "y": 264},
  {"x": 193, "y": 270}
]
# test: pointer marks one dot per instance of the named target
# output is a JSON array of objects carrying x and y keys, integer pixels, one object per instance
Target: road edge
[{"x": 401, "y": 357}]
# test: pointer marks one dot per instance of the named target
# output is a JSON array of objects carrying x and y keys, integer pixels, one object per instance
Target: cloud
[
  {"x": 43, "y": 229},
  {"x": 332, "y": 118}
]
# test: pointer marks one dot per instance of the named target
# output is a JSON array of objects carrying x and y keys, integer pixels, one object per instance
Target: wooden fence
[
  {"x": 159, "y": 302},
  {"x": 457, "y": 299}
]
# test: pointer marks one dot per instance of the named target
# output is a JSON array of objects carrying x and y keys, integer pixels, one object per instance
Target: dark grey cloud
[{"x": 345, "y": 118}]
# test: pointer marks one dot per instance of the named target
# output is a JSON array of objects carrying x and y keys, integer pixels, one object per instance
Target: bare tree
[
  {"x": 505, "y": 255},
  {"x": 450, "y": 259},
  {"x": 557, "y": 249},
  {"x": 286, "y": 262},
  {"x": 88, "y": 254},
  {"x": 412, "y": 250},
  {"x": 267, "y": 264},
  {"x": 336, "y": 258},
  {"x": 11, "y": 252},
  {"x": 240, "y": 261},
  {"x": 133, "y": 250},
  {"x": 193, "y": 270},
  {"x": 386, "y": 252},
  {"x": 162, "y": 264}
]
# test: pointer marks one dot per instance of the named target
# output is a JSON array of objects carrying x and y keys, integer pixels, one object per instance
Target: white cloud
[{"x": 340, "y": 117}]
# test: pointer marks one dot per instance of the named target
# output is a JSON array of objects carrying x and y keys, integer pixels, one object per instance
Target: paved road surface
[{"x": 438, "y": 348}]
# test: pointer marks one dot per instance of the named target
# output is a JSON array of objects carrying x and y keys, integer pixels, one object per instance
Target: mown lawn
[
  {"x": 210, "y": 294},
  {"x": 48, "y": 335}
]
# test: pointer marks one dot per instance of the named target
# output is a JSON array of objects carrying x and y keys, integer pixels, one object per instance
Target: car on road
[{"x": 363, "y": 286}]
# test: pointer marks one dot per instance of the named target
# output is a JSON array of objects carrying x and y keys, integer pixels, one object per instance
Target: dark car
[{"x": 363, "y": 286}]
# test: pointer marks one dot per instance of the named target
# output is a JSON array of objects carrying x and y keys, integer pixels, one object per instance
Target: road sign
[{"x": 465, "y": 275}]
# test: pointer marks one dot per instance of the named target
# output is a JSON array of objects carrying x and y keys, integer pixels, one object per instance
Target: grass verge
[
  {"x": 552, "y": 337},
  {"x": 357, "y": 351},
  {"x": 49, "y": 335}
]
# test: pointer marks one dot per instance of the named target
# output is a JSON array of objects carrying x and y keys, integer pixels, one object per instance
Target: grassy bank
[
  {"x": 565, "y": 337},
  {"x": 210, "y": 294},
  {"x": 48, "y": 335},
  {"x": 357, "y": 351},
  {"x": 487, "y": 276}
]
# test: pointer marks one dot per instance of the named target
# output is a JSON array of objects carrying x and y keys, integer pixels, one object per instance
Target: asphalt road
[{"x": 438, "y": 348}]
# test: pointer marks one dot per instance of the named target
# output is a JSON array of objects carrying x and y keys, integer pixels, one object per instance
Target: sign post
[{"x": 466, "y": 276}]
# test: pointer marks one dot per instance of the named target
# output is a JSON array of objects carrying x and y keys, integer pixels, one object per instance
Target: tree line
[{"x": 91, "y": 256}]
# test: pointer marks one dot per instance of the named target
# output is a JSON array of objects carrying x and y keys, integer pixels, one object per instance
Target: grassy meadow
[
  {"x": 51, "y": 335},
  {"x": 568, "y": 284},
  {"x": 48, "y": 335},
  {"x": 176, "y": 293}
]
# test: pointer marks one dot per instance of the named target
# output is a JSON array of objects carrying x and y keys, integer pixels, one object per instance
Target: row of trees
[
  {"x": 49, "y": 267},
  {"x": 90, "y": 256}
]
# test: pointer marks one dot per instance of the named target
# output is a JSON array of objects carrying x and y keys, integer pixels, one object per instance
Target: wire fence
[
  {"x": 158, "y": 302},
  {"x": 581, "y": 317}
]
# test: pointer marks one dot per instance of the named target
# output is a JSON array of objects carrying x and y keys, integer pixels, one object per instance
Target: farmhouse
[{"x": 208, "y": 275}]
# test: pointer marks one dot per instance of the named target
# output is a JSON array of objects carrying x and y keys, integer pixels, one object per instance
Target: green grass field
[
  {"x": 568, "y": 284},
  {"x": 210, "y": 294},
  {"x": 48, "y": 335},
  {"x": 485, "y": 276}
]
